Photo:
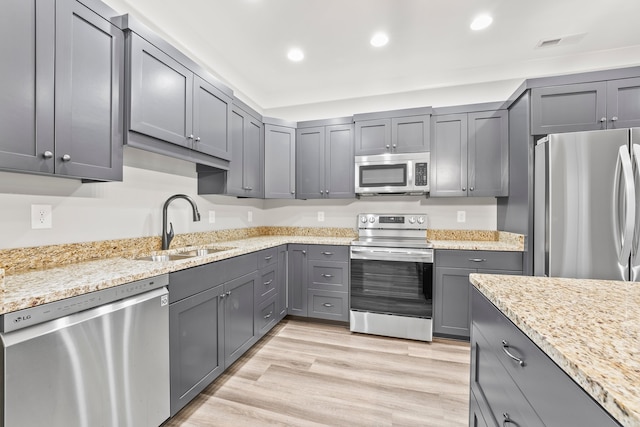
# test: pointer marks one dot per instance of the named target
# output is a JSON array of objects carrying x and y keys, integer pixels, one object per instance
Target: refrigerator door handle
[
  {"x": 635, "y": 268},
  {"x": 624, "y": 236}
]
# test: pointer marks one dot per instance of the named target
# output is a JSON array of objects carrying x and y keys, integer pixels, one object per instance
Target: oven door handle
[{"x": 381, "y": 254}]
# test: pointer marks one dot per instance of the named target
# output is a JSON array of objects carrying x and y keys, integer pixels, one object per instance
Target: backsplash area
[{"x": 133, "y": 208}]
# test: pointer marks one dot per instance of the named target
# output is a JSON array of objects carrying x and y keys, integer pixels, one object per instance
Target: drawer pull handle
[
  {"x": 327, "y": 275},
  {"x": 268, "y": 282},
  {"x": 505, "y": 348},
  {"x": 326, "y": 304},
  {"x": 327, "y": 253},
  {"x": 267, "y": 258},
  {"x": 507, "y": 419},
  {"x": 268, "y": 315},
  {"x": 477, "y": 259}
]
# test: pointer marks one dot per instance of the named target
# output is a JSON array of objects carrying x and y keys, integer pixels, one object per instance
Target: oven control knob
[
  {"x": 420, "y": 220},
  {"x": 412, "y": 220},
  {"x": 372, "y": 219},
  {"x": 363, "y": 219}
]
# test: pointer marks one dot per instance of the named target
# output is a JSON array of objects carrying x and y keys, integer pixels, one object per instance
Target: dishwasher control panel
[{"x": 54, "y": 310}]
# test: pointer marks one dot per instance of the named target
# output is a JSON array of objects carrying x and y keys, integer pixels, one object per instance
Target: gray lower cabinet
[
  {"x": 67, "y": 48},
  {"x": 319, "y": 281},
  {"x": 239, "y": 313},
  {"x": 266, "y": 291},
  {"x": 279, "y": 162},
  {"x": 245, "y": 177},
  {"x": 451, "y": 293},
  {"x": 470, "y": 154},
  {"x": 325, "y": 162},
  {"x": 377, "y": 134},
  {"x": 169, "y": 103},
  {"x": 281, "y": 280},
  {"x": 507, "y": 392},
  {"x": 585, "y": 106}
]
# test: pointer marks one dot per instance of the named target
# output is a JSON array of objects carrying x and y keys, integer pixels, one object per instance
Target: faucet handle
[{"x": 170, "y": 234}]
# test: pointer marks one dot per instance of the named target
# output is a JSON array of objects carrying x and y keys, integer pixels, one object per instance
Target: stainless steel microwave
[{"x": 406, "y": 173}]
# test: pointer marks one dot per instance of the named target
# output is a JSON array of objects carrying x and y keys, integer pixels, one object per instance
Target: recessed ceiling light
[
  {"x": 295, "y": 55},
  {"x": 379, "y": 40},
  {"x": 481, "y": 22}
]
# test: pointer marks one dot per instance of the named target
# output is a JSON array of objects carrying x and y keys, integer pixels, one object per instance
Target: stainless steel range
[{"x": 392, "y": 277}]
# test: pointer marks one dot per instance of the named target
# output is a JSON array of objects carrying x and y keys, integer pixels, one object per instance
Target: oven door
[{"x": 392, "y": 281}]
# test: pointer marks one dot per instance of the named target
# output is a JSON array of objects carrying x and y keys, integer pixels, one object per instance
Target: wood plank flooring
[{"x": 314, "y": 374}]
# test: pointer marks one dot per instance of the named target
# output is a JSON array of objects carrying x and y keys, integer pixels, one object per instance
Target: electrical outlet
[
  {"x": 320, "y": 216},
  {"x": 250, "y": 216},
  {"x": 212, "y": 217},
  {"x": 462, "y": 216},
  {"x": 41, "y": 217}
]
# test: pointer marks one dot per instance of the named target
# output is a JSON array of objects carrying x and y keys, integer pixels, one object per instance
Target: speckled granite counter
[{"x": 590, "y": 328}]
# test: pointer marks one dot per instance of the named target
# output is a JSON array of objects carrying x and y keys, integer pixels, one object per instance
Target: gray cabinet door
[
  {"x": 196, "y": 345},
  {"x": 623, "y": 103},
  {"x": 245, "y": 177},
  {"x": 26, "y": 88},
  {"x": 488, "y": 154},
  {"x": 89, "y": 94},
  {"x": 568, "y": 108},
  {"x": 451, "y": 300},
  {"x": 281, "y": 278},
  {"x": 310, "y": 163},
  {"x": 449, "y": 155},
  {"x": 279, "y": 162},
  {"x": 339, "y": 162},
  {"x": 373, "y": 137},
  {"x": 239, "y": 311},
  {"x": 211, "y": 120},
  {"x": 161, "y": 104},
  {"x": 410, "y": 134},
  {"x": 297, "y": 280}
]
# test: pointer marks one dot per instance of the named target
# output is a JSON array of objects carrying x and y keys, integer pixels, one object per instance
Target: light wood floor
[{"x": 313, "y": 374}]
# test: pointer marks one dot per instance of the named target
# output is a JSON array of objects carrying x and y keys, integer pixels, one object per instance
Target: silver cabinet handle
[
  {"x": 47, "y": 154},
  {"x": 221, "y": 295},
  {"x": 477, "y": 259},
  {"x": 268, "y": 282},
  {"x": 321, "y": 192},
  {"x": 190, "y": 137},
  {"x": 614, "y": 118},
  {"x": 326, "y": 192},
  {"x": 327, "y": 253},
  {"x": 387, "y": 146},
  {"x": 603, "y": 119},
  {"x": 267, "y": 258},
  {"x": 293, "y": 192},
  {"x": 470, "y": 188},
  {"x": 505, "y": 348},
  {"x": 327, "y": 275},
  {"x": 304, "y": 252},
  {"x": 395, "y": 146},
  {"x": 326, "y": 304},
  {"x": 247, "y": 188},
  {"x": 268, "y": 315},
  {"x": 197, "y": 139},
  {"x": 464, "y": 188},
  {"x": 228, "y": 293},
  {"x": 506, "y": 419},
  {"x": 66, "y": 158}
]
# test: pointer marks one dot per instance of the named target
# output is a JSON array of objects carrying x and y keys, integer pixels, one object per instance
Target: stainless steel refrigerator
[{"x": 587, "y": 218}]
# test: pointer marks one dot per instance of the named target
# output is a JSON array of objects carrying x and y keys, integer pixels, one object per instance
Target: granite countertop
[{"x": 590, "y": 328}]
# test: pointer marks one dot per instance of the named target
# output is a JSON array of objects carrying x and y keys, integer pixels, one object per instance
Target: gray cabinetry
[
  {"x": 585, "y": 106},
  {"x": 297, "y": 280},
  {"x": 266, "y": 292},
  {"x": 245, "y": 177},
  {"x": 451, "y": 298},
  {"x": 470, "y": 154},
  {"x": 527, "y": 393},
  {"x": 402, "y": 131},
  {"x": 170, "y": 104},
  {"x": 239, "y": 322},
  {"x": 279, "y": 160},
  {"x": 281, "y": 279},
  {"x": 72, "y": 51},
  {"x": 324, "y": 161}
]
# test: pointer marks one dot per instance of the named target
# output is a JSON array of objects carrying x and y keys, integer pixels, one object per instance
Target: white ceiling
[{"x": 244, "y": 42}]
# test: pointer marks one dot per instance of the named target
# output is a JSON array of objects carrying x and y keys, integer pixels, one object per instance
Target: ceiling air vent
[
  {"x": 549, "y": 42},
  {"x": 563, "y": 40}
]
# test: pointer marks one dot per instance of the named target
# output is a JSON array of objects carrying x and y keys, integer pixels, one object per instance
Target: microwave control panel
[{"x": 421, "y": 174}]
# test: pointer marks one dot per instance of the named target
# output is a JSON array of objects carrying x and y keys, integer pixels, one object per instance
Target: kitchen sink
[
  {"x": 202, "y": 252},
  {"x": 165, "y": 257}
]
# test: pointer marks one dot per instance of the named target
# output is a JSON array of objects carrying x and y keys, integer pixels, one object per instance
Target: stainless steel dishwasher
[{"x": 99, "y": 359}]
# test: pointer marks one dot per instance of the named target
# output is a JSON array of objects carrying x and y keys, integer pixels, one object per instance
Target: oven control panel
[{"x": 393, "y": 222}]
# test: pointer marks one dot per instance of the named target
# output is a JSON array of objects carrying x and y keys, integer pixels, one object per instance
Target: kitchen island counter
[{"x": 589, "y": 328}]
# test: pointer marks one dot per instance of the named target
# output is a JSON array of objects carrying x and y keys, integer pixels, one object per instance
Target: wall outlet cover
[
  {"x": 212, "y": 217},
  {"x": 462, "y": 216},
  {"x": 41, "y": 217},
  {"x": 250, "y": 216},
  {"x": 320, "y": 216}
]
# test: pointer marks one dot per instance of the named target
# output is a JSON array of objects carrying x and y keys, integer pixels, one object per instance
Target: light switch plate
[{"x": 41, "y": 217}]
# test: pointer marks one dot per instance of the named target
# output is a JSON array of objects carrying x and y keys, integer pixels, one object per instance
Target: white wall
[{"x": 133, "y": 208}]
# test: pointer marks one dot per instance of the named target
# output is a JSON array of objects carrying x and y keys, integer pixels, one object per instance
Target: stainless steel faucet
[{"x": 167, "y": 236}]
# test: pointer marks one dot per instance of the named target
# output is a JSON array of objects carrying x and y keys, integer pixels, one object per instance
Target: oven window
[
  {"x": 392, "y": 287},
  {"x": 383, "y": 175}
]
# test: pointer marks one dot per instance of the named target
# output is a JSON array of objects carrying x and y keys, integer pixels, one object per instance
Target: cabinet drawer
[
  {"x": 328, "y": 305},
  {"x": 266, "y": 316},
  {"x": 329, "y": 253},
  {"x": 266, "y": 285},
  {"x": 484, "y": 260},
  {"x": 185, "y": 283},
  {"x": 329, "y": 276},
  {"x": 538, "y": 373},
  {"x": 267, "y": 257},
  {"x": 238, "y": 266}
]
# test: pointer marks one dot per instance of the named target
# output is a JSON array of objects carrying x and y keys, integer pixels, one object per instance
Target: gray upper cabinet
[
  {"x": 70, "y": 50},
  {"x": 279, "y": 162},
  {"x": 325, "y": 162},
  {"x": 170, "y": 103},
  {"x": 245, "y": 176},
  {"x": 392, "y": 132},
  {"x": 585, "y": 106},
  {"x": 470, "y": 154}
]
